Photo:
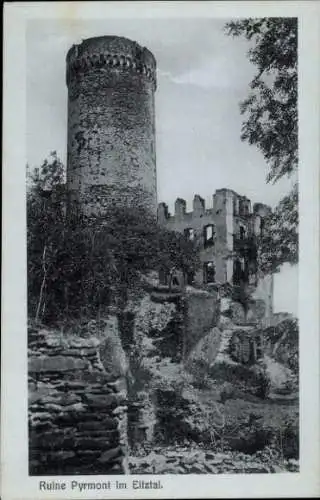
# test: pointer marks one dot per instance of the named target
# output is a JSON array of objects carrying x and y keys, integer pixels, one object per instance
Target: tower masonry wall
[{"x": 111, "y": 125}]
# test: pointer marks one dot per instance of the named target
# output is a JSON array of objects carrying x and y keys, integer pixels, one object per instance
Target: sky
[{"x": 202, "y": 75}]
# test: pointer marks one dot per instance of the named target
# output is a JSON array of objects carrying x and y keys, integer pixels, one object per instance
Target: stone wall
[
  {"x": 176, "y": 321},
  {"x": 201, "y": 314},
  {"x": 235, "y": 228},
  {"x": 246, "y": 346},
  {"x": 197, "y": 220},
  {"x": 77, "y": 405}
]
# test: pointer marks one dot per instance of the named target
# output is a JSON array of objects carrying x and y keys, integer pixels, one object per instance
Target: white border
[{"x": 15, "y": 481}]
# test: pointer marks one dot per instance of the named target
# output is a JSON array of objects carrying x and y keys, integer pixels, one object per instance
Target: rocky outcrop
[
  {"x": 77, "y": 406},
  {"x": 206, "y": 350},
  {"x": 202, "y": 312}
]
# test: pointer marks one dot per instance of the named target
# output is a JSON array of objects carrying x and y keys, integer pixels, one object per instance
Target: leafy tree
[
  {"x": 139, "y": 245},
  {"x": 78, "y": 265},
  {"x": 50, "y": 174},
  {"x": 177, "y": 252},
  {"x": 271, "y": 123},
  {"x": 270, "y": 111},
  {"x": 279, "y": 243},
  {"x": 45, "y": 221}
]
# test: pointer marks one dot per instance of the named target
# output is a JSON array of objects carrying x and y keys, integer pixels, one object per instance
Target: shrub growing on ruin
[
  {"x": 78, "y": 265},
  {"x": 248, "y": 379}
]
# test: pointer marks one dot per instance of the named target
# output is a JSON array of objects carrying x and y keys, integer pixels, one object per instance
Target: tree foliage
[
  {"x": 271, "y": 124},
  {"x": 50, "y": 174},
  {"x": 279, "y": 242},
  {"x": 76, "y": 266},
  {"x": 270, "y": 111}
]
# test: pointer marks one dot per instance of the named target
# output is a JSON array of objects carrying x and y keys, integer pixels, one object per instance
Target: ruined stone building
[
  {"x": 226, "y": 235},
  {"x": 111, "y": 125}
]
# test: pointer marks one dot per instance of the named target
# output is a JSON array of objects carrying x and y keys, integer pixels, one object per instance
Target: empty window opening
[
  {"x": 244, "y": 208},
  {"x": 237, "y": 272},
  {"x": 259, "y": 348},
  {"x": 208, "y": 234},
  {"x": 190, "y": 278},
  {"x": 242, "y": 233},
  {"x": 235, "y": 206},
  {"x": 175, "y": 281},
  {"x": 189, "y": 233},
  {"x": 163, "y": 277},
  {"x": 209, "y": 272}
]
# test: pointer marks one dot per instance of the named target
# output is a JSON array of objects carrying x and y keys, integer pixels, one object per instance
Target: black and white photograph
[{"x": 162, "y": 195}]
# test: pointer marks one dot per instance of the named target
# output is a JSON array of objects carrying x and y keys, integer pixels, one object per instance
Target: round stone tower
[{"x": 111, "y": 125}]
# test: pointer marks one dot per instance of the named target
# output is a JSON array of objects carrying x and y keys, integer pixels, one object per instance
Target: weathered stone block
[
  {"x": 66, "y": 399},
  {"x": 73, "y": 385},
  {"x": 92, "y": 377},
  {"x": 109, "y": 401},
  {"x": 55, "y": 364},
  {"x": 61, "y": 455},
  {"x": 120, "y": 410},
  {"x": 36, "y": 394},
  {"x": 118, "y": 385},
  {"x": 51, "y": 407},
  {"x": 49, "y": 441},
  {"x": 106, "y": 423},
  {"x": 41, "y": 426},
  {"x": 78, "y": 342},
  {"x": 41, "y": 416},
  {"x": 92, "y": 443},
  {"x": 83, "y": 351},
  {"x": 75, "y": 407},
  {"x": 110, "y": 455},
  {"x": 102, "y": 432}
]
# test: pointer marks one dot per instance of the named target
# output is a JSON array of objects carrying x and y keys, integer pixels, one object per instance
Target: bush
[
  {"x": 70, "y": 269},
  {"x": 255, "y": 435},
  {"x": 248, "y": 379},
  {"x": 198, "y": 368},
  {"x": 250, "y": 441},
  {"x": 77, "y": 265},
  {"x": 227, "y": 392}
]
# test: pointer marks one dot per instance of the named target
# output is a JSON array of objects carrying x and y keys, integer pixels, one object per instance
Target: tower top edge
[{"x": 109, "y": 44}]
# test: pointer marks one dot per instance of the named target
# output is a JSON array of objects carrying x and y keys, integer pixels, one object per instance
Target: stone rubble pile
[
  {"x": 182, "y": 460},
  {"x": 77, "y": 409}
]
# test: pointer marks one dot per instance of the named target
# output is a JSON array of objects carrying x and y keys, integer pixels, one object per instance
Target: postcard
[{"x": 161, "y": 250}]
